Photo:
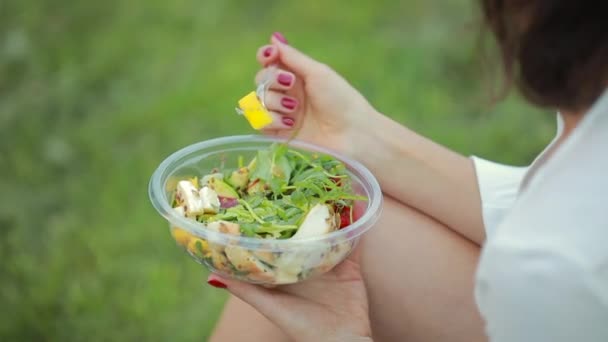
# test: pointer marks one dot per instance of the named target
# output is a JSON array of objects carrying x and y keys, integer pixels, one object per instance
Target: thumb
[{"x": 295, "y": 60}]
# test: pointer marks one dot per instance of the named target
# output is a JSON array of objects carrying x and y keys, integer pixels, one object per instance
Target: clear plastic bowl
[{"x": 255, "y": 260}]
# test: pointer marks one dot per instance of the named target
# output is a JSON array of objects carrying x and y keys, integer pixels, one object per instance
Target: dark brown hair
[{"x": 555, "y": 51}]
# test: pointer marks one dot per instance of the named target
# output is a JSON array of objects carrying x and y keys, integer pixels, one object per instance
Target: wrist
[
  {"x": 374, "y": 140},
  {"x": 361, "y": 136}
]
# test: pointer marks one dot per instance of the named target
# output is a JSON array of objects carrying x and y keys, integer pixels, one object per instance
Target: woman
[{"x": 466, "y": 250}]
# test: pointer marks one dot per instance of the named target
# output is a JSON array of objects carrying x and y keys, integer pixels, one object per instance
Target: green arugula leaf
[
  {"x": 248, "y": 229},
  {"x": 262, "y": 165},
  {"x": 276, "y": 186},
  {"x": 281, "y": 167},
  {"x": 299, "y": 199}
]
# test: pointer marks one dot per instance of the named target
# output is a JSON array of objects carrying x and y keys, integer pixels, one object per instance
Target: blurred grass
[{"x": 93, "y": 95}]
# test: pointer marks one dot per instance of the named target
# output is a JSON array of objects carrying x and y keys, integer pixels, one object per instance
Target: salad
[{"x": 282, "y": 193}]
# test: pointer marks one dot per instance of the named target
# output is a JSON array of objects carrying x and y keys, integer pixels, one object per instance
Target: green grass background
[{"x": 94, "y": 94}]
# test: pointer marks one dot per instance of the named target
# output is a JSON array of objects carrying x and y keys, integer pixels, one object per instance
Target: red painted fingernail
[
  {"x": 287, "y": 121},
  {"x": 285, "y": 79},
  {"x": 213, "y": 281},
  {"x": 280, "y": 37},
  {"x": 267, "y": 51},
  {"x": 289, "y": 103}
]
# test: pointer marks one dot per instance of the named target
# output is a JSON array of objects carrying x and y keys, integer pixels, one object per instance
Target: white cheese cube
[
  {"x": 180, "y": 211},
  {"x": 190, "y": 198},
  {"x": 210, "y": 199}
]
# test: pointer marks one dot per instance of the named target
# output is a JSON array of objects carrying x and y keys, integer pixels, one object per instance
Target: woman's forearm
[{"x": 424, "y": 175}]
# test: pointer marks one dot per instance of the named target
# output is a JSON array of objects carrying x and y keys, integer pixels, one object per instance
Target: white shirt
[{"x": 543, "y": 272}]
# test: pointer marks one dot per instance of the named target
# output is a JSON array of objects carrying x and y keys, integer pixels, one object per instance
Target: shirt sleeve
[
  {"x": 498, "y": 186},
  {"x": 543, "y": 296}
]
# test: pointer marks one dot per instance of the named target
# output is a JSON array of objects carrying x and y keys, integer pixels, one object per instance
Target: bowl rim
[{"x": 160, "y": 201}]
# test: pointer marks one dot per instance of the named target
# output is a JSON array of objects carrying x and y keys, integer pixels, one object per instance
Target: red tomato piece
[{"x": 345, "y": 217}]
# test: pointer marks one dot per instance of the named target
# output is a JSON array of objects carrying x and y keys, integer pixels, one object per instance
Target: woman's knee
[{"x": 419, "y": 275}]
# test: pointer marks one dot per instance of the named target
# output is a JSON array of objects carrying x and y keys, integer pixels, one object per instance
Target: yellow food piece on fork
[{"x": 254, "y": 111}]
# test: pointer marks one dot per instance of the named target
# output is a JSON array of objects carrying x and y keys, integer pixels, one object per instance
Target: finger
[
  {"x": 279, "y": 102},
  {"x": 279, "y": 79},
  {"x": 280, "y": 122},
  {"x": 277, "y": 133},
  {"x": 281, "y": 308},
  {"x": 295, "y": 60},
  {"x": 267, "y": 55}
]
